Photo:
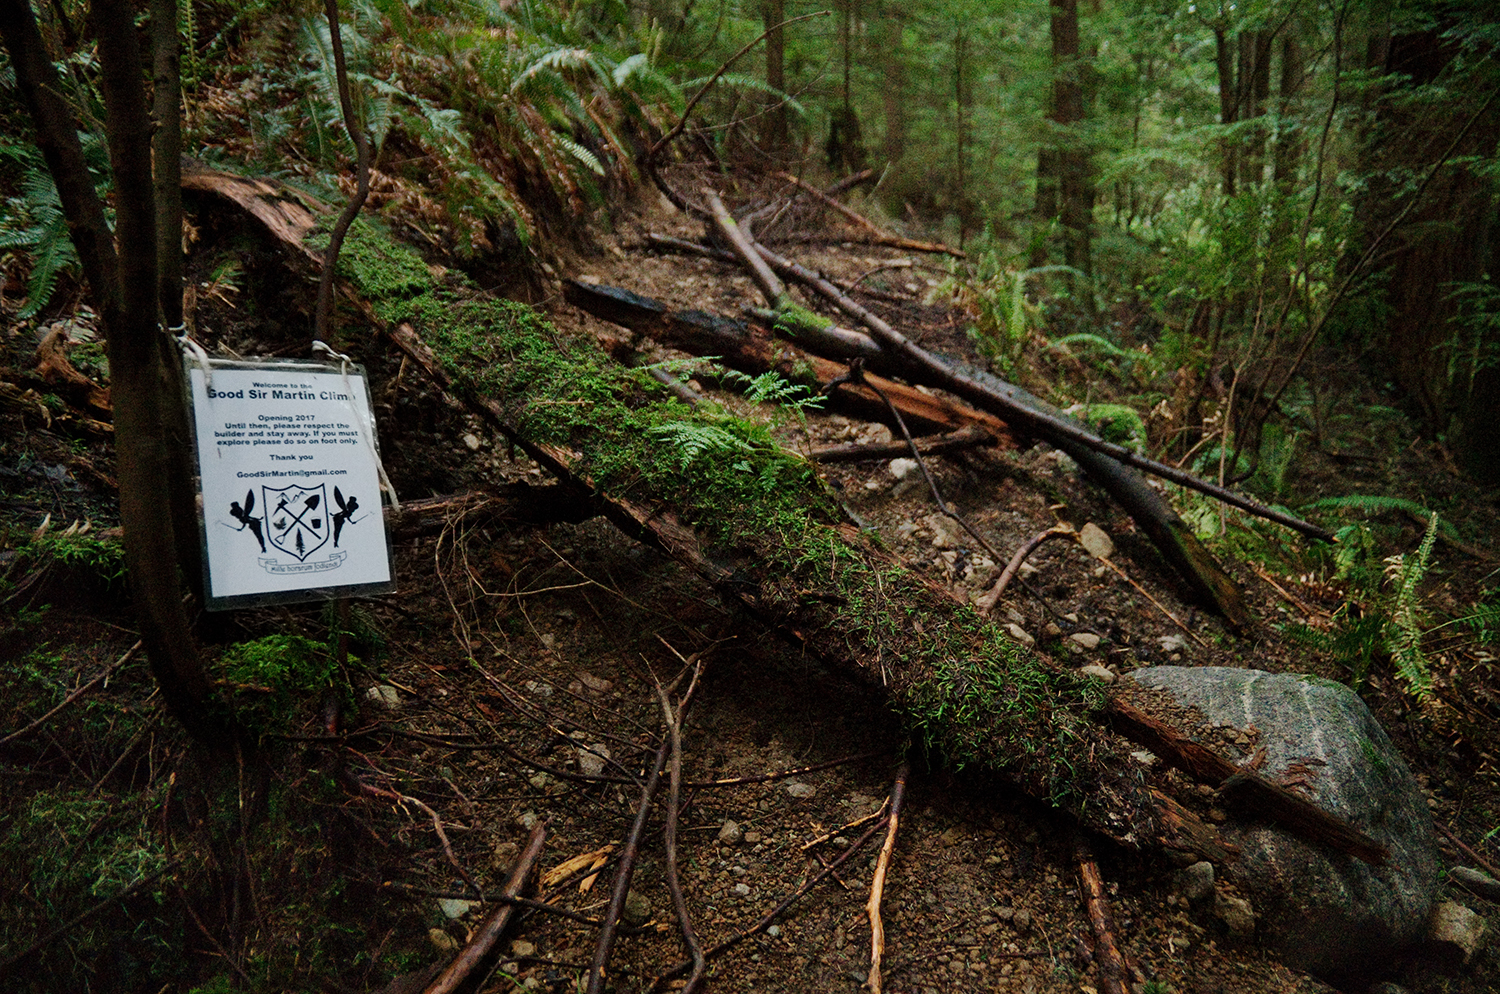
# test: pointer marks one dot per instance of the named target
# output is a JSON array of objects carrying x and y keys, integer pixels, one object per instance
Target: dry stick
[
  {"x": 1112, "y": 971},
  {"x": 8, "y": 965},
  {"x": 474, "y": 963},
  {"x": 992, "y": 596},
  {"x": 1156, "y": 603},
  {"x": 783, "y": 774},
  {"x": 770, "y": 916},
  {"x": 953, "y": 441},
  {"x": 856, "y": 823},
  {"x": 903, "y": 350},
  {"x": 877, "y": 884},
  {"x": 856, "y": 375},
  {"x": 770, "y": 284},
  {"x": 102, "y": 676},
  {"x": 674, "y": 794},
  {"x": 623, "y": 873},
  {"x": 881, "y": 236},
  {"x": 1484, "y": 863},
  {"x": 437, "y": 824}
]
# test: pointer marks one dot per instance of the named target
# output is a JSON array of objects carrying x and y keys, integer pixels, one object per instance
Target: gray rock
[
  {"x": 637, "y": 908},
  {"x": 1320, "y": 911},
  {"x": 1087, "y": 640},
  {"x": 800, "y": 790},
  {"x": 730, "y": 832},
  {"x": 1480, "y": 884},
  {"x": 591, "y": 759},
  {"x": 385, "y": 695},
  {"x": 1195, "y": 882},
  {"x": 1455, "y": 934},
  {"x": 1237, "y": 913},
  {"x": 1096, "y": 540}
]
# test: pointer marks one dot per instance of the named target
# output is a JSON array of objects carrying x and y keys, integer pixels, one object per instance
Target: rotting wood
[
  {"x": 477, "y": 960},
  {"x": 1112, "y": 972},
  {"x": 955, "y": 441},
  {"x": 876, "y": 234},
  {"x": 1104, "y": 789},
  {"x": 751, "y": 349},
  {"x": 510, "y": 503}
]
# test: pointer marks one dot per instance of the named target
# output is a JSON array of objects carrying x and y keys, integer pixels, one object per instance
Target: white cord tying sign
[{"x": 290, "y": 482}]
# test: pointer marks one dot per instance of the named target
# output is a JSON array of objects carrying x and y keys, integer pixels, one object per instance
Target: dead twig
[
  {"x": 474, "y": 963},
  {"x": 877, "y": 884},
  {"x": 991, "y": 597},
  {"x": 674, "y": 795},
  {"x": 856, "y": 823},
  {"x": 624, "y": 872},
  {"x": 437, "y": 825},
  {"x": 1112, "y": 972},
  {"x": 856, "y": 375},
  {"x": 776, "y": 912},
  {"x": 954, "y": 441},
  {"x": 877, "y": 234},
  {"x": 101, "y": 677},
  {"x": 784, "y": 774}
]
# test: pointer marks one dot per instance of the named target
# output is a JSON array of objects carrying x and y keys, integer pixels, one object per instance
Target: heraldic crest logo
[{"x": 296, "y": 521}]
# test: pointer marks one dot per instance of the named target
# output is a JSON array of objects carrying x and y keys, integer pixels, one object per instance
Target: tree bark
[{"x": 774, "y": 130}]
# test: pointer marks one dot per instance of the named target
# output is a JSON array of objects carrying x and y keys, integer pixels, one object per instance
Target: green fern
[
  {"x": 695, "y": 440},
  {"x": 34, "y": 221},
  {"x": 1375, "y": 504},
  {"x": 771, "y": 387},
  {"x": 1404, "y": 633}
]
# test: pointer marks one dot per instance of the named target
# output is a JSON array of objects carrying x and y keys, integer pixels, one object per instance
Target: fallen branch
[
  {"x": 674, "y": 796},
  {"x": 877, "y": 883},
  {"x": 437, "y": 826},
  {"x": 623, "y": 873},
  {"x": 472, "y": 967},
  {"x": 956, "y": 441},
  {"x": 877, "y": 234},
  {"x": 99, "y": 678},
  {"x": 1295, "y": 813},
  {"x": 1112, "y": 972},
  {"x": 991, "y": 597}
]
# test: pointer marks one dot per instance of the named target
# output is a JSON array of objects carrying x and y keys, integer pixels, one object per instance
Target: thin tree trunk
[
  {"x": 774, "y": 133},
  {"x": 1074, "y": 181},
  {"x": 894, "y": 74},
  {"x": 1228, "y": 107}
]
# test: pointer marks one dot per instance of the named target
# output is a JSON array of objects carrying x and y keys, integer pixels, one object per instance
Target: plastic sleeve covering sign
[{"x": 289, "y": 483}]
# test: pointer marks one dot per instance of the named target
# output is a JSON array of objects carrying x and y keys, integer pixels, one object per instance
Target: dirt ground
[{"x": 521, "y": 667}]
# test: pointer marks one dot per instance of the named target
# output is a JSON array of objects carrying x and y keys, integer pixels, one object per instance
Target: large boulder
[{"x": 1319, "y": 910}]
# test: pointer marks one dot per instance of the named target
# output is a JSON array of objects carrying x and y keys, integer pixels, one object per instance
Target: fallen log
[
  {"x": 753, "y": 350},
  {"x": 754, "y": 522},
  {"x": 873, "y": 231}
]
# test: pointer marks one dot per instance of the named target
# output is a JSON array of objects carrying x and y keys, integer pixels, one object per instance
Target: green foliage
[
  {"x": 1404, "y": 633},
  {"x": 285, "y": 664},
  {"x": 33, "y": 219},
  {"x": 771, "y": 387},
  {"x": 1115, "y": 423},
  {"x": 994, "y": 295},
  {"x": 77, "y": 551},
  {"x": 1474, "y": 344}
]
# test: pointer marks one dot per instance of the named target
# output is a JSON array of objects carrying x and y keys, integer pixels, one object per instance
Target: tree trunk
[
  {"x": 1075, "y": 185},
  {"x": 125, "y": 290},
  {"x": 1228, "y": 108},
  {"x": 894, "y": 76},
  {"x": 774, "y": 131}
]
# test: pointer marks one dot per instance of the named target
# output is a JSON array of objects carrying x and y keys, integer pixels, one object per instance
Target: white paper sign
[{"x": 290, "y": 491}]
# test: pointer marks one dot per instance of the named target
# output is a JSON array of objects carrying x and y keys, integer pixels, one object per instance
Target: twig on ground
[
  {"x": 474, "y": 963},
  {"x": 954, "y": 441},
  {"x": 847, "y": 826},
  {"x": 784, "y": 774},
  {"x": 776, "y": 912},
  {"x": 674, "y": 796},
  {"x": 991, "y": 597},
  {"x": 1158, "y": 604},
  {"x": 624, "y": 871},
  {"x": 877, "y": 884},
  {"x": 880, "y": 236},
  {"x": 437, "y": 825},
  {"x": 856, "y": 375},
  {"x": 1484, "y": 864},
  {"x": 102, "y": 676},
  {"x": 1112, "y": 972}
]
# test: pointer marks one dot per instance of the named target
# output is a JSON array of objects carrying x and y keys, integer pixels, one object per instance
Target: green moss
[
  {"x": 792, "y": 318},
  {"x": 763, "y": 513}
]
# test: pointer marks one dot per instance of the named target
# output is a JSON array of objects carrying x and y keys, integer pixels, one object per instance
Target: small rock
[
  {"x": 548, "y": 640},
  {"x": 730, "y": 832},
  {"x": 1236, "y": 913},
  {"x": 385, "y": 696},
  {"x": 471, "y": 440},
  {"x": 1020, "y": 634},
  {"x": 528, "y": 820},
  {"x": 1098, "y": 672},
  {"x": 454, "y": 908},
  {"x": 1086, "y": 639},
  {"x": 1172, "y": 643},
  {"x": 800, "y": 790},
  {"x": 597, "y": 684},
  {"x": 773, "y": 931},
  {"x": 1481, "y": 884},
  {"x": 536, "y": 686},
  {"x": 1022, "y": 920},
  {"x": 1096, "y": 541},
  {"x": 520, "y": 947},
  {"x": 1196, "y": 882},
  {"x": 1455, "y": 933},
  {"x": 742, "y": 889},
  {"x": 1144, "y": 756},
  {"x": 442, "y": 940},
  {"x": 591, "y": 760},
  {"x": 902, "y": 468},
  {"x": 637, "y": 909},
  {"x": 875, "y": 434},
  {"x": 1051, "y": 630},
  {"x": 753, "y": 837}
]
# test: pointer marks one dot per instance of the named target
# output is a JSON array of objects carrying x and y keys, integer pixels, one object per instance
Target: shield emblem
[{"x": 296, "y": 519}]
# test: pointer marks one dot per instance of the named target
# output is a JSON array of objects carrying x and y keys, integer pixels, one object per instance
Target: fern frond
[{"x": 695, "y": 440}]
